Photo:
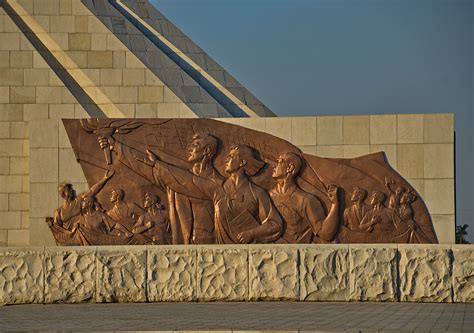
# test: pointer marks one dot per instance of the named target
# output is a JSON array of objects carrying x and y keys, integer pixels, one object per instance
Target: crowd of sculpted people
[{"x": 204, "y": 207}]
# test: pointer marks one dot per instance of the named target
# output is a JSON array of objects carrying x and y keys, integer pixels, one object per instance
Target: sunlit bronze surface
[{"x": 200, "y": 181}]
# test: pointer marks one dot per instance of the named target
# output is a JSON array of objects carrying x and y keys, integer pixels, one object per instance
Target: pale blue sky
[{"x": 337, "y": 57}]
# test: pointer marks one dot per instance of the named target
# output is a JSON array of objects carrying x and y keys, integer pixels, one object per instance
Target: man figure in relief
[
  {"x": 243, "y": 211},
  {"x": 302, "y": 211}
]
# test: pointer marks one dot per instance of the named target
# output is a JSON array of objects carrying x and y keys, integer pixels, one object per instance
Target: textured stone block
[
  {"x": 70, "y": 274},
  {"x": 324, "y": 273},
  {"x": 21, "y": 59},
  {"x": 439, "y": 160},
  {"x": 43, "y": 134},
  {"x": 11, "y": 77},
  {"x": 121, "y": 274},
  {"x": 438, "y": 128},
  {"x": 439, "y": 196},
  {"x": 351, "y": 151},
  {"x": 4, "y": 94},
  {"x": 45, "y": 163},
  {"x": 356, "y": 130},
  {"x": 329, "y": 130},
  {"x": 153, "y": 94},
  {"x": 50, "y": 7},
  {"x": 146, "y": 110},
  {"x": 444, "y": 227},
  {"x": 373, "y": 272},
  {"x": 410, "y": 163},
  {"x": 10, "y": 41},
  {"x": 79, "y": 41},
  {"x": 10, "y": 220},
  {"x": 279, "y": 126},
  {"x": 22, "y": 95},
  {"x": 410, "y": 128},
  {"x": 330, "y": 151},
  {"x": 100, "y": 59},
  {"x": 133, "y": 77},
  {"x": 18, "y": 238},
  {"x": 383, "y": 129},
  {"x": 48, "y": 95},
  {"x": 303, "y": 130},
  {"x": 128, "y": 95},
  {"x": 21, "y": 275},
  {"x": 44, "y": 199},
  {"x": 99, "y": 42},
  {"x": 425, "y": 273},
  {"x": 463, "y": 273},
  {"x": 10, "y": 184},
  {"x": 273, "y": 272},
  {"x": 11, "y": 147},
  {"x": 222, "y": 273},
  {"x": 171, "y": 273}
]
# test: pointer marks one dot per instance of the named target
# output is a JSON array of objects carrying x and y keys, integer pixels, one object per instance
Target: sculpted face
[
  {"x": 114, "y": 196},
  {"x": 233, "y": 162},
  {"x": 399, "y": 191},
  {"x": 196, "y": 150},
  {"x": 376, "y": 198},
  {"x": 279, "y": 170},
  {"x": 149, "y": 201},
  {"x": 357, "y": 195},
  {"x": 86, "y": 204},
  {"x": 67, "y": 192}
]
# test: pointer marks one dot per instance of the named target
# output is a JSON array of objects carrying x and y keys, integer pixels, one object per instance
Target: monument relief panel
[{"x": 201, "y": 181}]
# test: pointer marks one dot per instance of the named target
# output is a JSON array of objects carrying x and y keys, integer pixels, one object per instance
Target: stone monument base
[{"x": 384, "y": 272}]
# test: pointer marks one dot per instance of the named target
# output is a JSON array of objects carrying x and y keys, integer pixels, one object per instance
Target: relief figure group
[{"x": 202, "y": 206}]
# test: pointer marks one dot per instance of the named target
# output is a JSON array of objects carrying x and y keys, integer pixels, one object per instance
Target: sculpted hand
[{"x": 245, "y": 237}]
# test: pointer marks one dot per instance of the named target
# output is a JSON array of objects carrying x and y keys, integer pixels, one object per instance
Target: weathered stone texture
[
  {"x": 324, "y": 273},
  {"x": 21, "y": 275},
  {"x": 121, "y": 274},
  {"x": 222, "y": 273},
  {"x": 70, "y": 274},
  {"x": 425, "y": 273},
  {"x": 273, "y": 273},
  {"x": 171, "y": 273},
  {"x": 373, "y": 273},
  {"x": 463, "y": 273}
]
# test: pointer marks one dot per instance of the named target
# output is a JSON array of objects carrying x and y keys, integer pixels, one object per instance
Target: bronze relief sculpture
[{"x": 201, "y": 181}]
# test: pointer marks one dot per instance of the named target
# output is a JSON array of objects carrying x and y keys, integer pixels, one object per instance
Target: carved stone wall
[
  {"x": 428, "y": 273},
  {"x": 324, "y": 273}
]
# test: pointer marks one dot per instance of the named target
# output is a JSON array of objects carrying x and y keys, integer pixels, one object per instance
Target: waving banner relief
[{"x": 201, "y": 181}]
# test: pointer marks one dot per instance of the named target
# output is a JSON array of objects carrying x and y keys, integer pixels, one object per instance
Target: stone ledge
[{"x": 358, "y": 272}]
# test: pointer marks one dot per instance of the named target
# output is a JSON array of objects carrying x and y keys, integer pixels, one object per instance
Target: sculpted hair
[
  {"x": 207, "y": 141},
  {"x": 293, "y": 159},
  {"x": 252, "y": 165},
  {"x": 153, "y": 196},
  {"x": 62, "y": 187},
  {"x": 120, "y": 192},
  {"x": 379, "y": 195},
  {"x": 360, "y": 190}
]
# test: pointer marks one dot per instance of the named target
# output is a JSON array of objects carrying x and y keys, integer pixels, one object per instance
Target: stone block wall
[{"x": 381, "y": 273}]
